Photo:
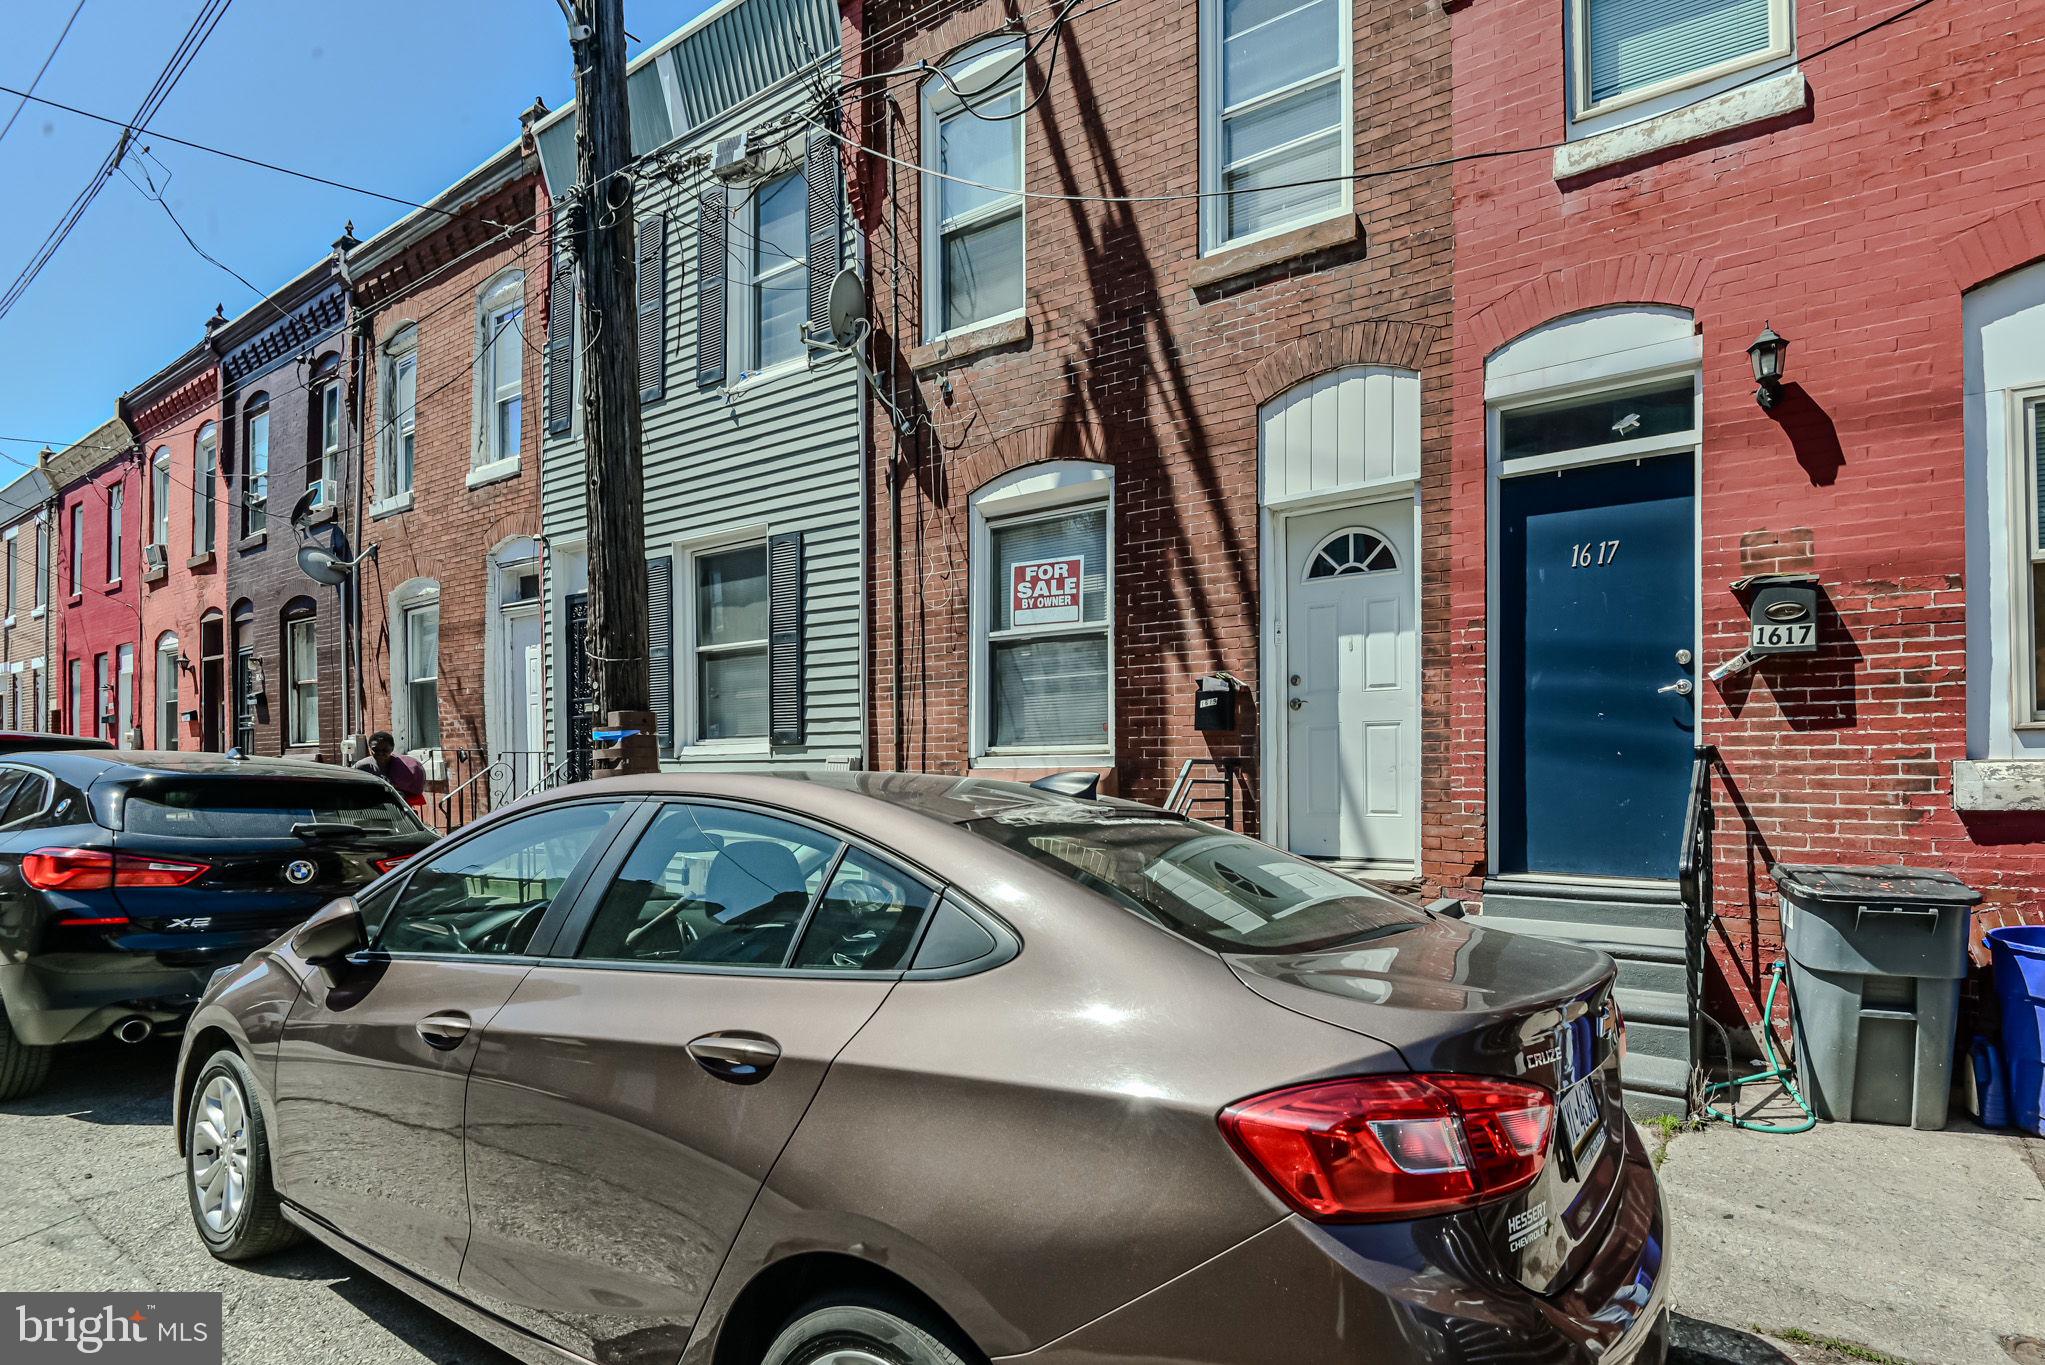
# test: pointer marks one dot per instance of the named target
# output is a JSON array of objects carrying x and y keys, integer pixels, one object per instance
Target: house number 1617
[{"x": 1595, "y": 553}]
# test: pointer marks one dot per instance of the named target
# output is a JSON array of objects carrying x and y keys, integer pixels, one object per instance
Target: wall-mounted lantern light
[{"x": 1768, "y": 353}]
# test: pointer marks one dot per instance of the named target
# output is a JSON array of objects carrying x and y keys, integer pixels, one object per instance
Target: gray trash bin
[{"x": 1876, "y": 955}]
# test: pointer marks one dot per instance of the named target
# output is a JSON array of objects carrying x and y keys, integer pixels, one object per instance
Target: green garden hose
[{"x": 1775, "y": 1072}]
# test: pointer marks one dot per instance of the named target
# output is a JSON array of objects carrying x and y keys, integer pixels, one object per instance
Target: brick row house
[
  {"x": 448, "y": 492},
  {"x": 28, "y": 629},
  {"x": 1465, "y": 442}
]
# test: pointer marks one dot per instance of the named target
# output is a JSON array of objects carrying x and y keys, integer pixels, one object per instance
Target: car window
[
  {"x": 1230, "y": 893},
  {"x": 711, "y": 884},
  {"x": 867, "y": 919},
  {"x": 263, "y": 808},
  {"x": 487, "y": 894},
  {"x": 27, "y": 799},
  {"x": 11, "y": 782}
]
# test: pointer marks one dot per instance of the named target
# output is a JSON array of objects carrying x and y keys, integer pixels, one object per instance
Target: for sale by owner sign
[{"x": 1045, "y": 592}]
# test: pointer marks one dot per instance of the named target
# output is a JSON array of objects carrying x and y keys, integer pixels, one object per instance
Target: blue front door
[{"x": 1594, "y": 627}]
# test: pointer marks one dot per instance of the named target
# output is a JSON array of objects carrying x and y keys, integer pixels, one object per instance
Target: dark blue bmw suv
[{"x": 128, "y": 879}]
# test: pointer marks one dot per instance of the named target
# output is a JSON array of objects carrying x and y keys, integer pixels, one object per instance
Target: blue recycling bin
[{"x": 2018, "y": 956}]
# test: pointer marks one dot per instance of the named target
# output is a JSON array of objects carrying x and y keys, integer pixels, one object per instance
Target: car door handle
[
  {"x": 740, "y": 1058},
  {"x": 445, "y": 1031}
]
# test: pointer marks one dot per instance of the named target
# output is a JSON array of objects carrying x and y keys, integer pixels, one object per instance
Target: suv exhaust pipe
[{"x": 133, "y": 1029}]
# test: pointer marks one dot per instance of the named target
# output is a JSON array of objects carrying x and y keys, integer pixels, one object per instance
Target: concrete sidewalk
[{"x": 1927, "y": 1248}]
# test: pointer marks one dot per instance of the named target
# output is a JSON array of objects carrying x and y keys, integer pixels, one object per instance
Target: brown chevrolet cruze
[{"x": 906, "y": 1070}]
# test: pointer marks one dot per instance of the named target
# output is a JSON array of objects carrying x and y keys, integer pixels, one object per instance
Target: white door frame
[{"x": 1275, "y": 578}]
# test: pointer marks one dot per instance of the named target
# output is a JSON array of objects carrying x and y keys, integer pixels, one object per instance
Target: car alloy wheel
[{"x": 219, "y": 1161}]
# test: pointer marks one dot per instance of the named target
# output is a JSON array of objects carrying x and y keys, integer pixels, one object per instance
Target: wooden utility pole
[{"x": 601, "y": 231}]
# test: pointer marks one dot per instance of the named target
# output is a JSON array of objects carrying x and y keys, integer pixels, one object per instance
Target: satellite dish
[
  {"x": 847, "y": 313},
  {"x": 322, "y": 565}
]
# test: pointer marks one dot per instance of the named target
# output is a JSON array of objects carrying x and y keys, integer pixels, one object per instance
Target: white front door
[
  {"x": 520, "y": 678},
  {"x": 1351, "y": 685}
]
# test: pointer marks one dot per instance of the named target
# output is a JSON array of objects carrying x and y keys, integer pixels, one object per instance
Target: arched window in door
[{"x": 1352, "y": 552}]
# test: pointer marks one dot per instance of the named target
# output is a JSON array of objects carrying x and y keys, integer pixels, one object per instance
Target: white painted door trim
[{"x": 1275, "y": 584}]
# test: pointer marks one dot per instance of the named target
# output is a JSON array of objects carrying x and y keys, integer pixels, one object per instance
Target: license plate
[{"x": 1581, "y": 1115}]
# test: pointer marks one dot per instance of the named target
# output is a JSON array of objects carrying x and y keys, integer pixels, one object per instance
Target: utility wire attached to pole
[{"x": 598, "y": 231}]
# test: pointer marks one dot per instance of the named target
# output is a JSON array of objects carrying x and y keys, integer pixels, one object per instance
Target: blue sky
[{"x": 401, "y": 96}]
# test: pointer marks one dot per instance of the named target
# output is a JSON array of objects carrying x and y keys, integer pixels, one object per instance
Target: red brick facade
[
  {"x": 1140, "y": 355},
  {"x": 460, "y": 520},
  {"x": 186, "y": 597},
  {"x": 1853, "y": 226},
  {"x": 98, "y": 580}
]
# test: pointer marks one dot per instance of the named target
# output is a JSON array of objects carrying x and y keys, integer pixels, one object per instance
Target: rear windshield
[
  {"x": 259, "y": 808},
  {"x": 1230, "y": 893}
]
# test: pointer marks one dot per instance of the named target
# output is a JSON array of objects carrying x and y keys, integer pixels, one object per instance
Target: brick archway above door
[
  {"x": 1394, "y": 345},
  {"x": 1678, "y": 281},
  {"x": 1993, "y": 248}
]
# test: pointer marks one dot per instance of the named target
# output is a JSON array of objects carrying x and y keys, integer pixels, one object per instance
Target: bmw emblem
[{"x": 299, "y": 871}]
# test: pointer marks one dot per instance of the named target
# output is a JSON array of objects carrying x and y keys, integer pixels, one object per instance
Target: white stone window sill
[
  {"x": 39, "y": 613},
  {"x": 494, "y": 472},
  {"x": 1066, "y": 760},
  {"x": 401, "y": 502},
  {"x": 1770, "y": 97},
  {"x": 1986, "y": 784},
  {"x": 7, "y": 623},
  {"x": 760, "y": 379}
]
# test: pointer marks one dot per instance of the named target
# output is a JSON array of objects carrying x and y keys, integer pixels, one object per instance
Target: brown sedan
[{"x": 905, "y": 1070}]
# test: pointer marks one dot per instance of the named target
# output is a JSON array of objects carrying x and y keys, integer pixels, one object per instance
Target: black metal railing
[
  {"x": 1212, "y": 780},
  {"x": 480, "y": 782},
  {"x": 1693, "y": 877}
]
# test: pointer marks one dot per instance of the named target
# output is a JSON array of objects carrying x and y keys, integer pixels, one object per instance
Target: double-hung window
[
  {"x": 422, "y": 673},
  {"x": 9, "y": 548},
  {"x": 400, "y": 424},
  {"x": 972, "y": 189},
  {"x": 1628, "y": 51},
  {"x": 124, "y": 692},
  {"x": 500, "y": 377},
  {"x": 255, "y": 479},
  {"x": 730, "y": 641},
  {"x": 302, "y": 678},
  {"x": 324, "y": 460},
  {"x": 777, "y": 272},
  {"x": 159, "y": 497},
  {"x": 75, "y": 565},
  {"x": 205, "y": 473},
  {"x": 167, "y": 692},
  {"x": 1274, "y": 116},
  {"x": 1044, "y": 581},
  {"x": 117, "y": 502},
  {"x": 42, "y": 587}
]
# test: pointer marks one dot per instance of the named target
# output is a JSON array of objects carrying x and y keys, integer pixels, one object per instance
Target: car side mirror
[{"x": 334, "y": 931}]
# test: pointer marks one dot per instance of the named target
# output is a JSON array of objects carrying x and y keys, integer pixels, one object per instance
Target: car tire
[
  {"x": 865, "y": 1327},
  {"x": 24, "y": 1067},
  {"x": 234, "y": 1226}
]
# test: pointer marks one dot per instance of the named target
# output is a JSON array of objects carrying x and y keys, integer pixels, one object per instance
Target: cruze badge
[{"x": 299, "y": 871}]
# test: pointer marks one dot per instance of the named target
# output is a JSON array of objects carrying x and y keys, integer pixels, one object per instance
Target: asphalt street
[{"x": 97, "y": 1202}]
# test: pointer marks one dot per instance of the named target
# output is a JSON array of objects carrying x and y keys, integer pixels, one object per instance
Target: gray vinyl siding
[{"x": 776, "y": 455}]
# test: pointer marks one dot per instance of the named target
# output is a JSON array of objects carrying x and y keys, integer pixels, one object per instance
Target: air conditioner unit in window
[
  {"x": 729, "y": 159},
  {"x": 326, "y": 493},
  {"x": 152, "y": 557}
]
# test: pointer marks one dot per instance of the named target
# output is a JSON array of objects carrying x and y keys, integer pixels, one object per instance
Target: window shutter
[
  {"x": 561, "y": 345},
  {"x": 660, "y": 646},
  {"x": 784, "y": 645},
  {"x": 713, "y": 222},
  {"x": 820, "y": 173},
  {"x": 651, "y": 274}
]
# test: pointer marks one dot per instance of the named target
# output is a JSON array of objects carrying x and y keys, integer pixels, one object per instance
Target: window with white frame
[
  {"x": 10, "y": 547},
  {"x": 775, "y": 271},
  {"x": 159, "y": 497},
  {"x": 1043, "y": 606},
  {"x": 167, "y": 691},
  {"x": 255, "y": 478},
  {"x": 117, "y": 503},
  {"x": 730, "y": 643},
  {"x": 124, "y": 692},
  {"x": 323, "y": 460},
  {"x": 422, "y": 674},
  {"x": 500, "y": 372},
  {"x": 1274, "y": 116},
  {"x": 76, "y": 563},
  {"x": 205, "y": 474},
  {"x": 399, "y": 428},
  {"x": 42, "y": 587},
  {"x": 301, "y": 676},
  {"x": 1628, "y": 51},
  {"x": 973, "y": 251},
  {"x": 81, "y": 721}
]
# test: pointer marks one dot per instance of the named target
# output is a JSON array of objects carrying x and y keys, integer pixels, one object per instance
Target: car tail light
[
  {"x": 386, "y": 864},
  {"x": 96, "y": 869},
  {"x": 1391, "y": 1147}
]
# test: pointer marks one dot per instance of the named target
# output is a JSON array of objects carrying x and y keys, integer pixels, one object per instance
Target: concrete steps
[{"x": 1641, "y": 928}]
